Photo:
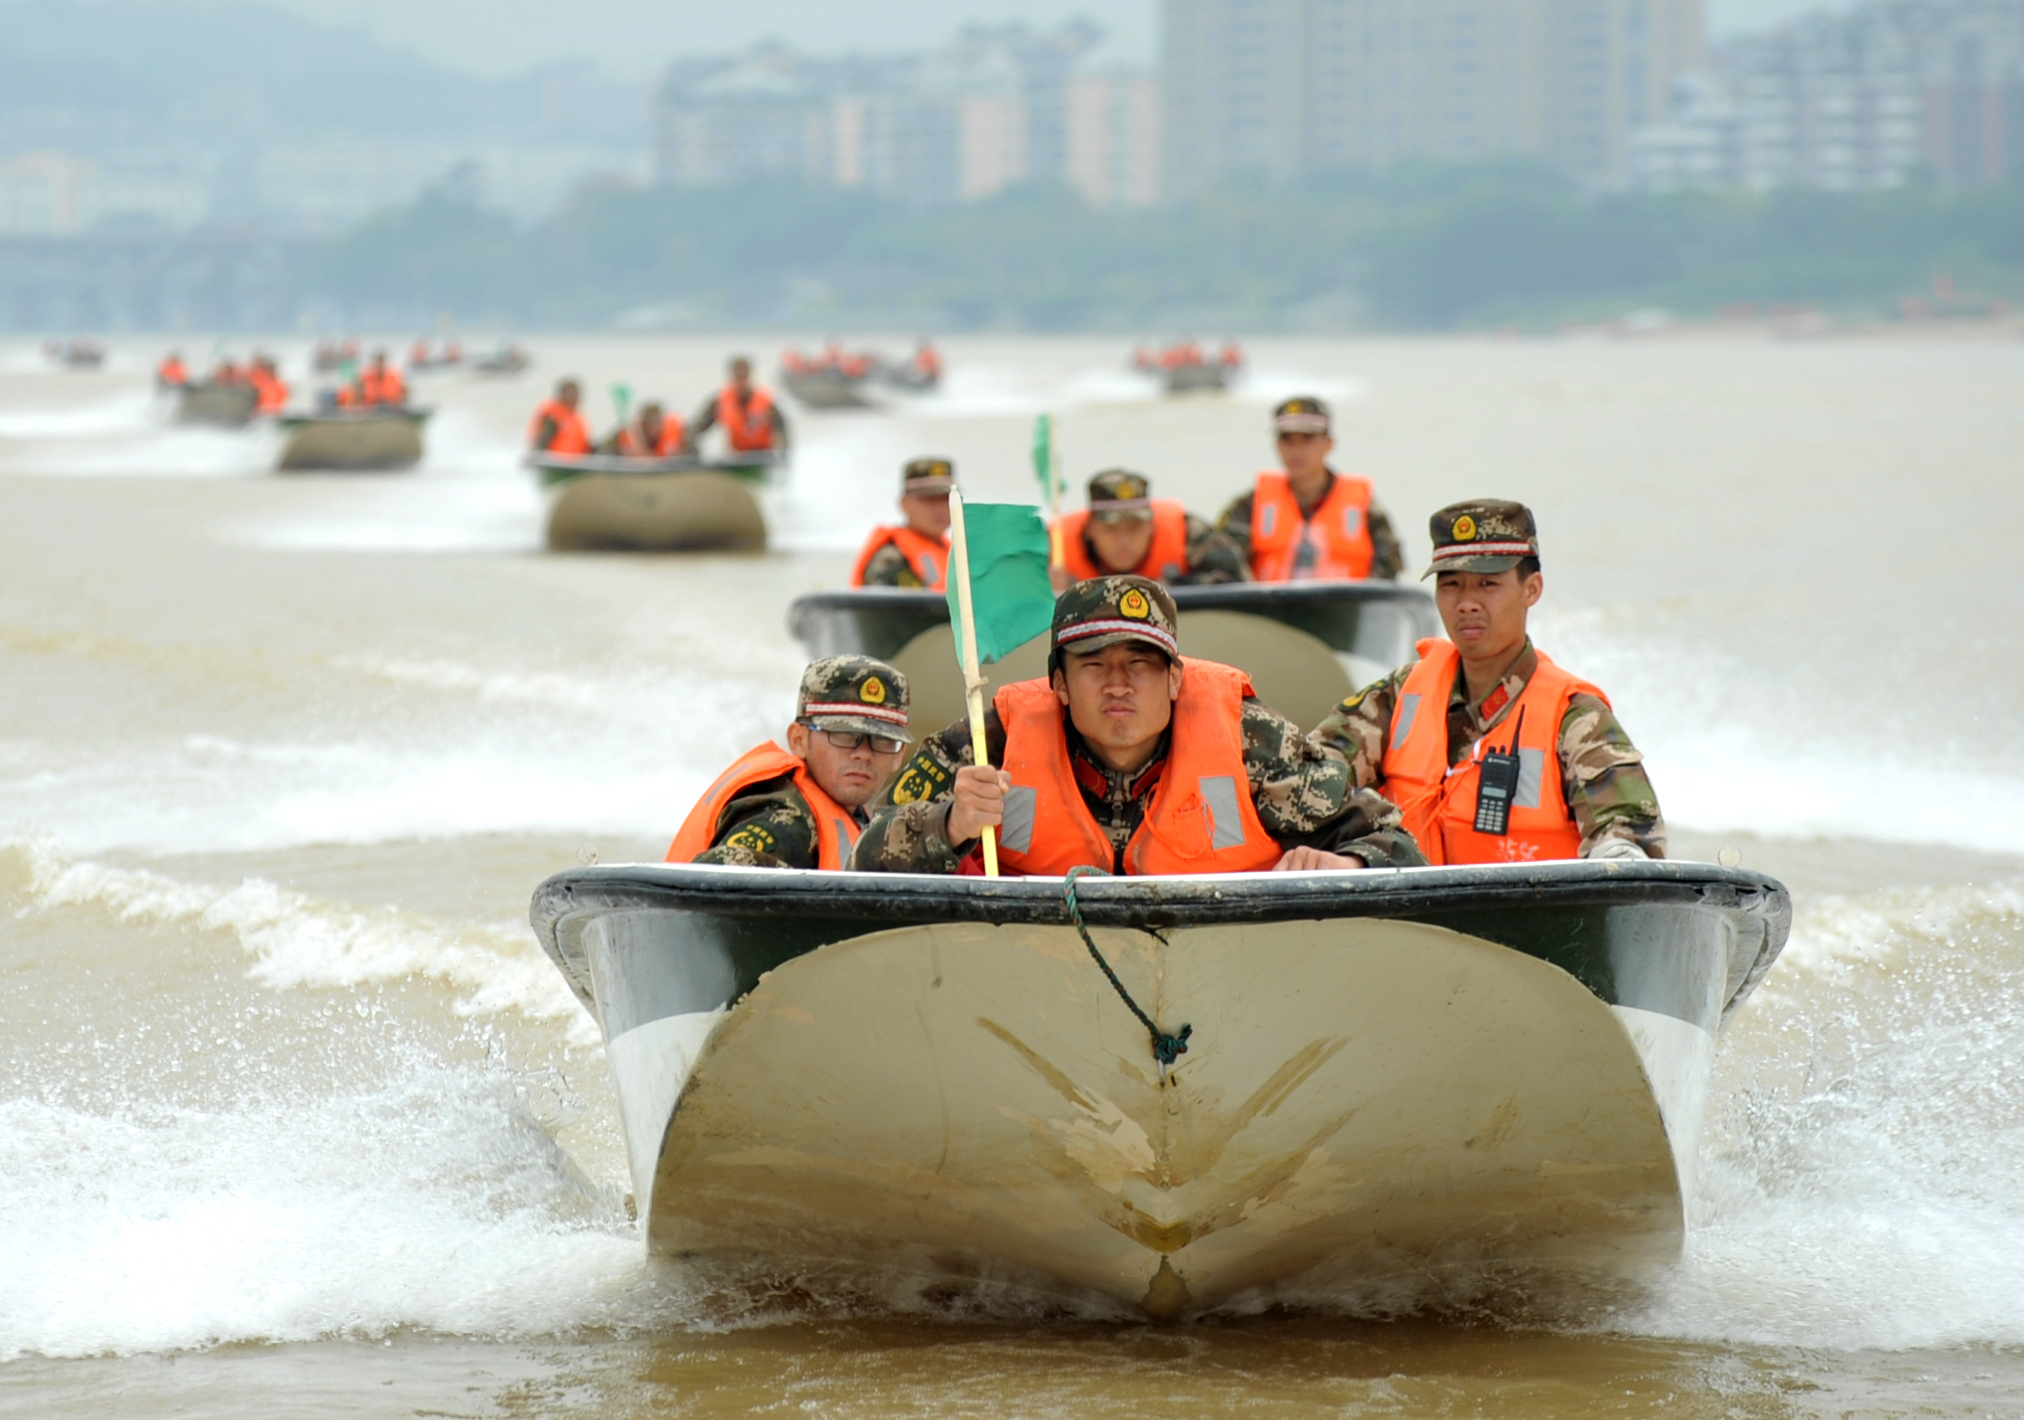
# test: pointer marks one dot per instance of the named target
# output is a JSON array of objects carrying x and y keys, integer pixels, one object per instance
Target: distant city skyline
[{"x": 636, "y": 39}]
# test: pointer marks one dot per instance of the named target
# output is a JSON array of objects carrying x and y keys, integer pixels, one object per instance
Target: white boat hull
[{"x": 1367, "y": 1102}]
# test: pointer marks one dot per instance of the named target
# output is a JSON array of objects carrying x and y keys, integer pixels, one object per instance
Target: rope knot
[{"x": 1166, "y": 1048}]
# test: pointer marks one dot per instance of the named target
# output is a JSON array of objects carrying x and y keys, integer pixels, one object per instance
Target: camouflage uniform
[
  {"x": 1601, "y": 772},
  {"x": 889, "y": 566},
  {"x": 1213, "y": 558},
  {"x": 1307, "y": 415},
  {"x": 769, "y": 824},
  {"x": 1301, "y": 789}
]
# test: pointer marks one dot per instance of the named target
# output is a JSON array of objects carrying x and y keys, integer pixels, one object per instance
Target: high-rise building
[
  {"x": 1281, "y": 88},
  {"x": 995, "y": 107},
  {"x": 1850, "y": 101}
]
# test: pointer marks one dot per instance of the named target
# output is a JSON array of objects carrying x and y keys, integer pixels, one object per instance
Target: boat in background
[
  {"x": 1399, "y": 1086},
  {"x": 227, "y": 406},
  {"x": 1305, "y": 645},
  {"x": 827, "y": 389},
  {"x": 1183, "y": 367},
  {"x": 353, "y": 441},
  {"x": 689, "y": 503},
  {"x": 76, "y": 353},
  {"x": 508, "y": 359}
]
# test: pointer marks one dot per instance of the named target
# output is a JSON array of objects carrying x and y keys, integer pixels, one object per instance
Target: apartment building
[
  {"x": 1860, "y": 100},
  {"x": 1280, "y": 88},
  {"x": 996, "y": 107}
]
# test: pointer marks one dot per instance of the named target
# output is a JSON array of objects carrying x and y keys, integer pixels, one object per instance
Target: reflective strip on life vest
[
  {"x": 1339, "y": 529},
  {"x": 1201, "y": 818},
  {"x": 1439, "y": 802}
]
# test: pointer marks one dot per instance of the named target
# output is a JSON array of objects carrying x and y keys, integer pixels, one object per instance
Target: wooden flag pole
[{"x": 973, "y": 679}]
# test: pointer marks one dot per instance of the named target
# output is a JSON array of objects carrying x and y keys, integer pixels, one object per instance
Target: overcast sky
[{"x": 636, "y": 37}]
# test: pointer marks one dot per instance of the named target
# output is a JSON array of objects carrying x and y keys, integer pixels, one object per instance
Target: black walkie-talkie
[{"x": 1497, "y": 785}]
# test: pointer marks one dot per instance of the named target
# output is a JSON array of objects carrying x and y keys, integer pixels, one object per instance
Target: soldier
[
  {"x": 1472, "y": 779},
  {"x": 916, "y": 552},
  {"x": 1128, "y": 532},
  {"x": 803, "y": 806},
  {"x": 1309, "y": 523},
  {"x": 1129, "y": 759},
  {"x": 749, "y": 415}
]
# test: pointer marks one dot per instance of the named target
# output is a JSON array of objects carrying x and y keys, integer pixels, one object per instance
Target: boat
[
  {"x": 346, "y": 440},
  {"x": 1399, "y": 1087},
  {"x": 1185, "y": 368},
  {"x": 1305, "y": 645},
  {"x": 690, "y": 503},
  {"x": 826, "y": 388},
  {"x": 228, "y": 406},
  {"x": 75, "y": 354},
  {"x": 1192, "y": 379},
  {"x": 506, "y": 360}
]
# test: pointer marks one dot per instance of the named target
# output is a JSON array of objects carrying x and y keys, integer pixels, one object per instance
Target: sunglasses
[{"x": 852, "y": 739}]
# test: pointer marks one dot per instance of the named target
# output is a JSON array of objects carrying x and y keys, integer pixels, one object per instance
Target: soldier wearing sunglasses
[{"x": 803, "y": 806}]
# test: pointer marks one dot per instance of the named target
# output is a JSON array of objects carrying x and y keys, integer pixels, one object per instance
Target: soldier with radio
[{"x": 1491, "y": 751}]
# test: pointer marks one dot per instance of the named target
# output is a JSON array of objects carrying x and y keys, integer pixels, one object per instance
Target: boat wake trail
[
  {"x": 299, "y": 941},
  {"x": 1863, "y": 1181}
]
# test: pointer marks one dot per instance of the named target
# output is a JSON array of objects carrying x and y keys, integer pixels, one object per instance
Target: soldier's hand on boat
[
  {"x": 1313, "y": 860},
  {"x": 979, "y": 802}
]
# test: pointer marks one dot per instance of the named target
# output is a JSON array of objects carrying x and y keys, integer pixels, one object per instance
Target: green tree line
[{"x": 1422, "y": 248}]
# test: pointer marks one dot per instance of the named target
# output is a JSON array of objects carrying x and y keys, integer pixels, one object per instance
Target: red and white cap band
[
  {"x": 1301, "y": 422},
  {"x": 1159, "y": 636},
  {"x": 1456, "y": 551},
  {"x": 854, "y": 710}
]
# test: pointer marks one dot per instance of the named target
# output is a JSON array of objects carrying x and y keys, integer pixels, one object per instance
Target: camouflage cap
[
  {"x": 1104, "y": 611},
  {"x": 927, "y": 477},
  {"x": 1119, "y": 495},
  {"x": 854, "y": 693},
  {"x": 1302, "y": 414},
  {"x": 1482, "y": 535}
]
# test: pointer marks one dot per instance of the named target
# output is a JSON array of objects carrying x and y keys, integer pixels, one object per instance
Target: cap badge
[
  {"x": 873, "y": 691},
  {"x": 1130, "y": 488},
  {"x": 1134, "y": 605},
  {"x": 1465, "y": 529}
]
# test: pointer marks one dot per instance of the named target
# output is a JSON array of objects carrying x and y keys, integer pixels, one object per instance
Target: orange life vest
[
  {"x": 273, "y": 394},
  {"x": 1201, "y": 818},
  {"x": 750, "y": 428},
  {"x": 670, "y": 442},
  {"x": 1166, "y": 556},
  {"x": 172, "y": 372},
  {"x": 1439, "y": 802},
  {"x": 928, "y": 556},
  {"x": 836, "y": 829},
  {"x": 1340, "y": 528},
  {"x": 385, "y": 388},
  {"x": 569, "y": 437}
]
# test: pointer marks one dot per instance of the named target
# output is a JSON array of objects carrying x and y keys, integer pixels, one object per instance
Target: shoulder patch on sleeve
[
  {"x": 921, "y": 780},
  {"x": 755, "y": 838}
]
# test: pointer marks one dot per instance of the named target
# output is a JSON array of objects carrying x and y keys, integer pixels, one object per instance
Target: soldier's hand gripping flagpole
[{"x": 973, "y": 678}]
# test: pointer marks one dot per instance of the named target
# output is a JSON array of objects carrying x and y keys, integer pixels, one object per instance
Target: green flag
[
  {"x": 1009, "y": 592},
  {"x": 1043, "y": 458}
]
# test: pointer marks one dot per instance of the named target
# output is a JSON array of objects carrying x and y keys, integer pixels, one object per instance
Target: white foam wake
[
  {"x": 296, "y": 940},
  {"x": 1863, "y": 1183}
]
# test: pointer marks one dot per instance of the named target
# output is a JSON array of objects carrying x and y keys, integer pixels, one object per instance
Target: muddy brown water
[{"x": 296, "y": 1119}]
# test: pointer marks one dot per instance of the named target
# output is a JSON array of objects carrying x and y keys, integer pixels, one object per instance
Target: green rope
[{"x": 1166, "y": 1048}]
